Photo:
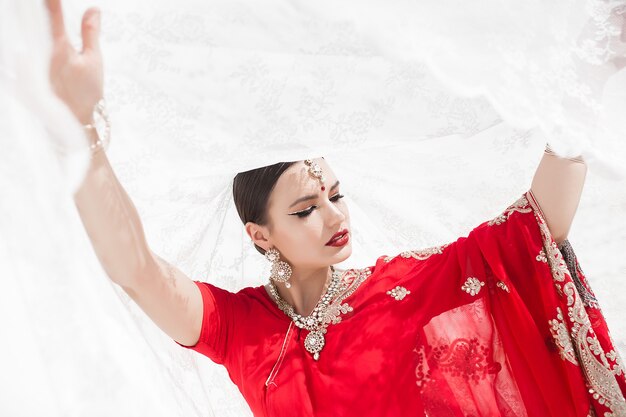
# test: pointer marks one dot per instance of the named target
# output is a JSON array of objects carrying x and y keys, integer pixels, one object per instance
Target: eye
[{"x": 305, "y": 213}]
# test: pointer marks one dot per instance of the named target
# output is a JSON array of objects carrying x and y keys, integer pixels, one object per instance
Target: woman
[{"x": 500, "y": 322}]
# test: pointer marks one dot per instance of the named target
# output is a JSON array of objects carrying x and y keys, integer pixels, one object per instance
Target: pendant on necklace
[{"x": 314, "y": 343}]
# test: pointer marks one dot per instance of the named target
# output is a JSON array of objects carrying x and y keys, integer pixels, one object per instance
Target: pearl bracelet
[{"x": 102, "y": 127}]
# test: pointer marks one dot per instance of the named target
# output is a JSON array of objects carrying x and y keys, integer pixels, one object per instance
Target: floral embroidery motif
[
  {"x": 542, "y": 256},
  {"x": 421, "y": 254},
  {"x": 351, "y": 279},
  {"x": 333, "y": 314},
  {"x": 618, "y": 368},
  {"x": 398, "y": 293},
  {"x": 555, "y": 259},
  {"x": 600, "y": 373},
  {"x": 578, "y": 333},
  {"x": 562, "y": 337},
  {"x": 521, "y": 205},
  {"x": 472, "y": 286},
  {"x": 503, "y": 286},
  {"x": 463, "y": 358}
]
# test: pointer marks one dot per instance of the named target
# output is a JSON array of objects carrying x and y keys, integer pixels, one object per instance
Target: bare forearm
[
  {"x": 112, "y": 223},
  {"x": 557, "y": 186},
  {"x": 170, "y": 298}
]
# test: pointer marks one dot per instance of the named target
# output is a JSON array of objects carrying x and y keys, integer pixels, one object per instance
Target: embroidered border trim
[
  {"x": 521, "y": 205},
  {"x": 421, "y": 254},
  {"x": 351, "y": 279},
  {"x": 578, "y": 333}
]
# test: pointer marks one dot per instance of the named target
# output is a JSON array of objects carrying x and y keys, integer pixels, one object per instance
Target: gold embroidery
[
  {"x": 599, "y": 374},
  {"x": 333, "y": 314},
  {"x": 554, "y": 258},
  {"x": 472, "y": 286},
  {"x": 421, "y": 254},
  {"x": 542, "y": 256},
  {"x": 598, "y": 371},
  {"x": 502, "y": 286},
  {"x": 521, "y": 205},
  {"x": 351, "y": 280},
  {"x": 618, "y": 368},
  {"x": 562, "y": 337},
  {"x": 398, "y": 293}
]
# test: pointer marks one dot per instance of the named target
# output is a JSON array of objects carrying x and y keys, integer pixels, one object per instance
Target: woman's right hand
[{"x": 76, "y": 77}]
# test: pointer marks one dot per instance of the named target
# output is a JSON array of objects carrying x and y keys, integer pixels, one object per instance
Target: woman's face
[{"x": 305, "y": 218}]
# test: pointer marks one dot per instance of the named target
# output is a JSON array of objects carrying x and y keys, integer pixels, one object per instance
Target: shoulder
[
  {"x": 352, "y": 278},
  {"x": 239, "y": 301},
  {"x": 391, "y": 267}
]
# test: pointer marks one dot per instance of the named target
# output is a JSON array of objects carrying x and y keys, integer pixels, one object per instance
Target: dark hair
[{"x": 251, "y": 193}]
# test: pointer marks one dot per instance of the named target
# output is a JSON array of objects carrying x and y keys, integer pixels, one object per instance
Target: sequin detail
[
  {"x": 351, "y": 280},
  {"x": 503, "y": 286},
  {"x": 420, "y": 254},
  {"x": 472, "y": 285},
  {"x": 521, "y": 205},
  {"x": 542, "y": 256},
  {"x": 398, "y": 293},
  {"x": 562, "y": 338},
  {"x": 574, "y": 333}
]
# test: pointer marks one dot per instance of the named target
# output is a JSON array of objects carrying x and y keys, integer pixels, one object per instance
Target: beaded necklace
[{"x": 317, "y": 321}]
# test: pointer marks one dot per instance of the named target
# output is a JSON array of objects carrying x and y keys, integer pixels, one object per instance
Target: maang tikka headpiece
[{"x": 315, "y": 171}]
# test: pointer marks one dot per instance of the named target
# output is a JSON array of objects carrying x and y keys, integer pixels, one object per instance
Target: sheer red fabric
[{"x": 499, "y": 323}]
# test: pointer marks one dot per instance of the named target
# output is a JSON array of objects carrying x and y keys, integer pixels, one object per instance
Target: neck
[{"x": 307, "y": 287}]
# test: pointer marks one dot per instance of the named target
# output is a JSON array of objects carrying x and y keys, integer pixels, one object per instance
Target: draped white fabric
[{"x": 199, "y": 90}]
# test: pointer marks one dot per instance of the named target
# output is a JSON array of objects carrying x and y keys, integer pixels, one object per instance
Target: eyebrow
[{"x": 312, "y": 196}]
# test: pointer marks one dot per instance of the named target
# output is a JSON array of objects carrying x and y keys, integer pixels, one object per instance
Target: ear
[{"x": 258, "y": 234}]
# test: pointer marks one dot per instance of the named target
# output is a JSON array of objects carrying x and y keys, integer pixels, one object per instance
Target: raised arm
[
  {"x": 171, "y": 299},
  {"x": 557, "y": 186},
  {"x": 163, "y": 292}
]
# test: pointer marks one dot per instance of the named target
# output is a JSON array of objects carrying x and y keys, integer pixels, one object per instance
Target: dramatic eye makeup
[
  {"x": 313, "y": 196},
  {"x": 304, "y": 213}
]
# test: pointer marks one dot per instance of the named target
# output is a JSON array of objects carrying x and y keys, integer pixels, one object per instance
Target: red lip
[{"x": 337, "y": 235}]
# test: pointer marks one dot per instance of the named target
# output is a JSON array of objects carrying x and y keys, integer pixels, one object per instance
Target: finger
[
  {"x": 91, "y": 29},
  {"x": 56, "y": 18}
]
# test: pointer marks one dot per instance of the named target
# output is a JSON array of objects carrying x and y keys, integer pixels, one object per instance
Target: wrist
[
  {"x": 84, "y": 110},
  {"x": 98, "y": 128},
  {"x": 85, "y": 118}
]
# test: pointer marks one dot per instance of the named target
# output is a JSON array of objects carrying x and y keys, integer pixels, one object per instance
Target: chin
[{"x": 344, "y": 253}]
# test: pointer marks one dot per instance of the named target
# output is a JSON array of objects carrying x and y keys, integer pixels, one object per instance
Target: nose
[{"x": 335, "y": 216}]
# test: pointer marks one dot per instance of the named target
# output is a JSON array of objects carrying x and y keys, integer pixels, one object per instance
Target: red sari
[{"x": 499, "y": 323}]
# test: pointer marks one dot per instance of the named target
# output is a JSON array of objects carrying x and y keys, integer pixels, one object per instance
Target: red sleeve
[
  {"x": 218, "y": 319},
  {"x": 498, "y": 256},
  {"x": 506, "y": 324}
]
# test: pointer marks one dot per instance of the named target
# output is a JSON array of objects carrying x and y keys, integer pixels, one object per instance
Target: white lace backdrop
[{"x": 433, "y": 114}]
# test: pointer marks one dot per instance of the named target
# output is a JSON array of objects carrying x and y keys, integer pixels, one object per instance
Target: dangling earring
[{"x": 280, "y": 270}]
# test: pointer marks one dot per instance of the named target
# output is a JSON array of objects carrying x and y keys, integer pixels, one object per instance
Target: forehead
[{"x": 297, "y": 182}]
